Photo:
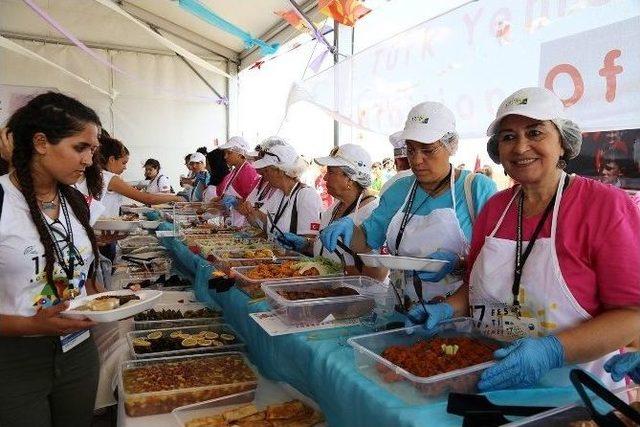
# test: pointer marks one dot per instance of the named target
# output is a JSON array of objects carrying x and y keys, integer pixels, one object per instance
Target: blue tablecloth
[{"x": 325, "y": 369}]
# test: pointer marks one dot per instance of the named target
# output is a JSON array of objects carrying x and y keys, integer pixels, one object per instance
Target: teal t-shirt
[{"x": 393, "y": 199}]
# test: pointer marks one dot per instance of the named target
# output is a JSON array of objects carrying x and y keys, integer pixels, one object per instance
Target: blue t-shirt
[{"x": 392, "y": 200}]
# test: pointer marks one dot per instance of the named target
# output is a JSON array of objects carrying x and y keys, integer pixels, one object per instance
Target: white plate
[
  {"x": 402, "y": 262},
  {"x": 148, "y": 298},
  {"x": 115, "y": 225},
  {"x": 150, "y": 225}
]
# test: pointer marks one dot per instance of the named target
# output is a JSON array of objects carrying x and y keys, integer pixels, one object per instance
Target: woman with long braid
[{"x": 48, "y": 364}]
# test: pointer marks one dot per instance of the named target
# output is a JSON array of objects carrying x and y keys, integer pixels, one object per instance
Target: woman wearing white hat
[
  {"x": 243, "y": 177},
  {"x": 428, "y": 214},
  {"x": 348, "y": 180},
  {"x": 298, "y": 209},
  {"x": 400, "y": 160},
  {"x": 554, "y": 261}
]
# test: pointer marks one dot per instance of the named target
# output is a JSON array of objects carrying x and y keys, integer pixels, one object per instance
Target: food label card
[{"x": 269, "y": 321}]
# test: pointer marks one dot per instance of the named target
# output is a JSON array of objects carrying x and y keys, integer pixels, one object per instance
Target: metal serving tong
[{"x": 581, "y": 379}]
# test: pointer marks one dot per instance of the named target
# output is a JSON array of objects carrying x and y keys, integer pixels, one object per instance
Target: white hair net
[
  {"x": 361, "y": 177},
  {"x": 450, "y": 142},
  {"x": 570, "y": 139},
  {"x": 294, "y": 170}
]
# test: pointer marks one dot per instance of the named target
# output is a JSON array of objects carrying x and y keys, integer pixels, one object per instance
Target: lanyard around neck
[
  {"x": 281, "y": 208},
  {"x": 408, "y": 215},
  {"x": 521, "y": 258}
]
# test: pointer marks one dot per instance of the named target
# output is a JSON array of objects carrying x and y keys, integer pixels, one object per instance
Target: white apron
[
  {"x": 544, "y": 296},
  {"x": 425, "y": 234},
  {"x": 237, "y": 219}
]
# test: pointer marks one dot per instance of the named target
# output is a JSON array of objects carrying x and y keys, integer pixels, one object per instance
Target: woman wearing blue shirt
[{"x": 428, "y": 214}]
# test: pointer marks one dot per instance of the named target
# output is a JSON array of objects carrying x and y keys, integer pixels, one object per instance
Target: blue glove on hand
[
  {"x": 621, "y": 365},
  {"x": 229, "y": 201},
  {"x": 152, "y": 215},
  {"x": 435, "y": 314},
  {"x": 523, "y": 363},
  {"x": 293, "y": 241},
  {"x": 339, "y": 228},
  {"x": 451, "y": 259}
]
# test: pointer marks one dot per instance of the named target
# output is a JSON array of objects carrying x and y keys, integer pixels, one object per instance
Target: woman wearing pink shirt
[
  {"x": 554, "y": 264},
  {"x": 243, "y": 177}
]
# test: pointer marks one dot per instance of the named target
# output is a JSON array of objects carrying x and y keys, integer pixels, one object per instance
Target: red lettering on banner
[
  {"x": 576, "y": 79},
  {"x": 609, "y": 71},
  {"x": 427, "y": 48},
  {"x": 544, "y": 12},
  {"x": 392, "y": 59},
  {"x": 377, "y": 61},
  {"x": 498, "y": 25},
  {"x": 470, "y": 22}
]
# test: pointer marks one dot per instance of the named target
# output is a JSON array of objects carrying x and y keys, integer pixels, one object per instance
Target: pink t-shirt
[
  {"x": 244, "y": 181},
  {"x": 597, "y": 242}
]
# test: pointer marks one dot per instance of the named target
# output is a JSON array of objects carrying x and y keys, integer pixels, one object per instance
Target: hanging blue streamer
[{"x": 206, "y": 14}]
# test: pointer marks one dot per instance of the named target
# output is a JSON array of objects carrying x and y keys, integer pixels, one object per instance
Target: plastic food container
[
  {"x": 224, "y": 263},
  {"x": 215, "y": 344},
  {"x": 157, "y": 386},
  {"x": 575, "y": 413},
  {"x": 135, "y": 242},
  {"x": 311, "y": 311},
  {"x": 143, "y": 325},
  {"x": 411, "y": 388},
  {"x": 265, "y": 396},
  {"x": 252, "y": 286}
]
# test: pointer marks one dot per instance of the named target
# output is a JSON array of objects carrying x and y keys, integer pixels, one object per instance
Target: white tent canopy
[{"x": 160, "y": 107}]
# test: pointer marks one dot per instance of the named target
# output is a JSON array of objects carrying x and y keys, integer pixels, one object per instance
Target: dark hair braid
[
  {"x": 57, "y": 116},
  {"x": 81, "y": 211},
  {"x": 93, "y": 177}
]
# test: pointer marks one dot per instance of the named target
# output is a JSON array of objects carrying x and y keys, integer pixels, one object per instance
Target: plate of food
[
  {"x": 402, "y": 262},
  {"x": 126, "y": 222},
  {"x": 113, "y": 305}
]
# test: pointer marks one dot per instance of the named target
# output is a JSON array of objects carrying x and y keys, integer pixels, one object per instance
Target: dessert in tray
[
  {"x": 157, "y": 386},
  {"x": 292, "y": 413},
  {"x": 184, "y": 341},
  {"x": 176, "y": 314},
  {"x": 308, "y": 267}
]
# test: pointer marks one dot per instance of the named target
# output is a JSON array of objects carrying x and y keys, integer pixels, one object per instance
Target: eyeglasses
[
  {"x": 266, "y": 153},
  {"x": 427, "y": 152},
  {"x": 355, "y": 164}
]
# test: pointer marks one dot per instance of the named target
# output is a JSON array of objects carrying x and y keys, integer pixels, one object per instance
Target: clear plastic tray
[
  {"x": 575, "y": 413},
  {"x": 222, "y": 263},
  {"x": 316, "y": 310},
  {"x": 236, "y": 345},
  {"x": 411, "y": 388},
  {"x": 135, "y": 242},
  {"x": 264, "y": 396},
  {"x": 231, "y": 373},
  {"x": 252, "y": 286},
  {"x": 143, "y": 325}
]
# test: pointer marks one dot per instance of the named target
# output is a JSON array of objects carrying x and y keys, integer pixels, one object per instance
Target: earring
[{"x": 562, "y": 163}]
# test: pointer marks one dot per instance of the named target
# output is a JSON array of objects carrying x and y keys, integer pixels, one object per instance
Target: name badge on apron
[{"x": 70, "y": 341}]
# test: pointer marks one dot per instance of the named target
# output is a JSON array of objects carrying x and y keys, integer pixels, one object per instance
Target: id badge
[
  {"x": 70, "y": 341},
  {"x": 515, "y": 326}
]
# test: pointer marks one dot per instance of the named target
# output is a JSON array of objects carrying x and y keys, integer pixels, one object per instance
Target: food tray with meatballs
[
  {"x": 157, "y": 386},
  {"x": 418, "y": 365},
  {"x": 313, "y": 301}
]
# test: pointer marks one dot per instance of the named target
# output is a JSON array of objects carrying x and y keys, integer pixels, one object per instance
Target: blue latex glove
[
  {"x": 229, "y": 201},
  {"x": 293, "y": 241},
  {"x": 152, "y": 216},
  {"x": 523, "y": 363},
  {"x": 621, "y": 365},
  {"x": 436, "y": 314},
  {"x": 339, "y": 228},
  {"x": 452, "y": 260}
]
